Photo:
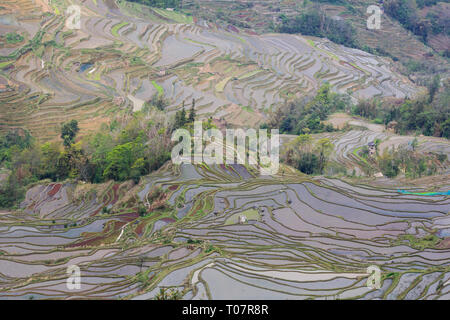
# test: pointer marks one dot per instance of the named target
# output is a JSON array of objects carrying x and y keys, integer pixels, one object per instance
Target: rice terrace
[{"x": 92, "y": 93}]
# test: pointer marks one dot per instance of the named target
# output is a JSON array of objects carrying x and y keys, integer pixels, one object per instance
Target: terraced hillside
[
  {"x": 117, "y": 61},
  {"x": 227, "y": 234},
  {"x": 207, "y": 231},
  {"x": 391, "y": 39},
  {"x": 348, "y": 143}
]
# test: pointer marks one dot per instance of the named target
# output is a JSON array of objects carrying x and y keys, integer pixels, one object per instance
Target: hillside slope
[{"x": 124, "y": 54}]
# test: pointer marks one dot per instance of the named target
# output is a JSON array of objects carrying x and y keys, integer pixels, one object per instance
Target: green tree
[
  {"x": 414, "y": 144},
  {"x": 192, "y": 111},
  {"x": 183, "y": 115},
  {"x": 50, "y": 154},
  {"x": 433, "y": 87},
  {"x": 325, "y": 147},
  {"x": 389, "y": 165},
  {"x": 377, "y": 143},
  {"x": 120, "y": 160},
  {"x": 158, "y": 101},
  {"x": 12, "y": 192},
  {"x": 446, "y": 129},
  {"x": 180, "y": 118},
  {"x": 68, "y": 132},
  {"x": 13, "y": 142}
]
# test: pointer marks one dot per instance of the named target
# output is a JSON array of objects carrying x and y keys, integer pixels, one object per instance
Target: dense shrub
[
  {"x": 315, "y": 23},
  {"x": 306, "y": 115},
  {"x": 306, "y": 156},
  {"x": 159, "y": 3},
  {"x": 406, "y": 12},
  {"x": 119, "y": 151},
  {"x": 428, "y": 114},
  {"x": 407, "y": 160}
]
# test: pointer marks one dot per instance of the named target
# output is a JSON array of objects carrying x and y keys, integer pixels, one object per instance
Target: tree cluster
[
  {"x": 159, "y": 3},
  {"x": 315, "y": 22},
  {"x": 306, "y": 156},
  {"x": 306, "y": 115},
  {"x": 180, "y": 116},
  {"x": 428, "y": 114},
  {"x": 127, "y": 148},
  {"x": 406, "y": 160},
  {"x": 406, "y": 12}
]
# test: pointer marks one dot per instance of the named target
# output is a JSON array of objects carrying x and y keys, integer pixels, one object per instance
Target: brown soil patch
[
  {"x": 338, "y": 120},
  {"x": 237, "y": 116},
  {"x": 444, "y": 244}
]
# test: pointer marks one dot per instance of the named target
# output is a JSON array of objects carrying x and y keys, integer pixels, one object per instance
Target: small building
[
  {"x": 162, "y": 72},
  {"x": 372, "y": 148},
  {"x": 378, "y": 175},
  {"x": 242, "y": 219}
]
